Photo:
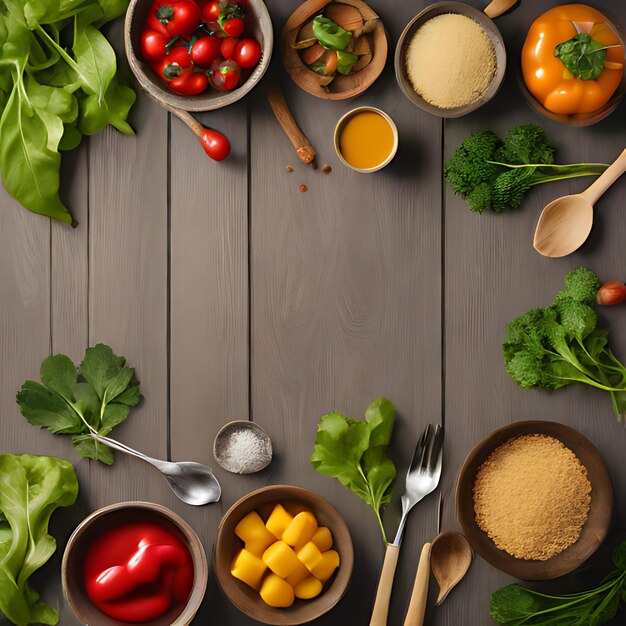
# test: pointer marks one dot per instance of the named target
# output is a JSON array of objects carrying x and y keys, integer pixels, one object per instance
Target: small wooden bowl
[
  {"x": 407, "y": 35},
  {"x": 594, "y": 531},
  {"x": 259, "y": 26},
  {"x": 342, "y": 87},
  {"x": 246, "y": 599},
  {"x": 109, "y": 517}
]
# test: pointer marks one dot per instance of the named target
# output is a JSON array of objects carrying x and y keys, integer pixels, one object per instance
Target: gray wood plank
[
  {"x": 493, "y": 275},
  {"x": 346, "y": 302}
]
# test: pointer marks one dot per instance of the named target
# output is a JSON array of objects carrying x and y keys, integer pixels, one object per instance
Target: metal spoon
[
  {"x": 566, "y": 222},
  {"x": 450, "y": 556},
  {"x": 193, "y": 483}
]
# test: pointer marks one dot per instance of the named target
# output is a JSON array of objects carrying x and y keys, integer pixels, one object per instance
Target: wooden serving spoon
[
  {"x": 565, "y": 223},
  {"x": 449, "y": 556},
  {"x": 498, "y": 7},
  {"x": 214, "y": 143}
]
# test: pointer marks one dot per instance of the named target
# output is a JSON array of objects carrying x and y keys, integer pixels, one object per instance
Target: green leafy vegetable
[
  {"x": 515, "y": 605},
  {"x": 583, "y": 56},
  {"x": 494, "y": 174},
  {"x": 329, "y": 34},
  {"x": 345, "y": 61},
  {"x": 559, "y": 345},
  {"x": 69, "y": 401},
  {"x": 355, "y": 453},
  {"x": 57, "y": 82},
  {"x": 32, "y": 488}
]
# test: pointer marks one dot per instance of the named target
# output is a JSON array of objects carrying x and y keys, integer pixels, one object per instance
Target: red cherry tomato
[
  {"x": 228, "y": 47},
  {"x": 211, "y": 12},
  {"x": 226, "y": 76},
  {"x": 153, "y": 45},
  {"x": 215, "y": 144},
  {"x": 247, "y": 53},
  {"x": 152, "y": 21},
  {"x": 180, "y": 55},
  {"x": 205, "y": 50},
  {"x": 179, "y": 18},
  {"x": 190, "y": 83},
  {"x": 234, "y": 27}
]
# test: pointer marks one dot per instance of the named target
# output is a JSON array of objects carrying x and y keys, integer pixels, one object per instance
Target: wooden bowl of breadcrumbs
[{"x": 535, "y": 499}]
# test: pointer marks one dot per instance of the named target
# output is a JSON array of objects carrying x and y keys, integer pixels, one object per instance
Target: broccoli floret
[
  {"x": 479, "y": 199},
  {"x": 468, "y": 166},
  {"x": 497, "y": 175},
  {"x": 524, "y": 144},
  {"x": 509, "y": 189},
  {"x": 559, "y": 345}
]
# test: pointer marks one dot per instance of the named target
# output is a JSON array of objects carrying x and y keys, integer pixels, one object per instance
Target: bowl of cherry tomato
[{"x": 198, "y": 55}]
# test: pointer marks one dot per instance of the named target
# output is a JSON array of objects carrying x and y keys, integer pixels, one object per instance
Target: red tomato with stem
[
  {"x": 215, "y": 144},
  {"x": 190, "y": 83},
  {"x": 166, "y": 70},
  {"x": 227, "y": 47},
  {"x": 211, "y": 11},
  {"x": 226, "y": 76},
  {"x": 153, "y": 45},
  {"x": 247, "y": 53},
  {"x": 152, "y": 20},
  {"x": 234, "y": 27},
  {"x": 180, "y": 18},
  {"x": 205, "y": 50}
]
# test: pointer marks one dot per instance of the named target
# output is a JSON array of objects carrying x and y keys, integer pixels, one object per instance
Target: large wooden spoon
[
  {"x": 565, "y": 223},
  {"x": 498, "y": 7}
]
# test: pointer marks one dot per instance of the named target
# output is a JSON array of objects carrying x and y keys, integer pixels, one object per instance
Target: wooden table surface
[{"x": 236, "y": 296}]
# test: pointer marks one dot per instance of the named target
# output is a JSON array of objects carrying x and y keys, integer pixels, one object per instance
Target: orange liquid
[{"x": 366, "y": 140}]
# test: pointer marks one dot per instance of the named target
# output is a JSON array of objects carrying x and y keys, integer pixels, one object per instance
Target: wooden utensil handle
[
  {"x": 606, "y": 179},
  {"x": 385, "y": 584},
  {"x": 281, "y": 110},
  {"x": 417, "y": 606},
  {"x": 498, "y": 7}
]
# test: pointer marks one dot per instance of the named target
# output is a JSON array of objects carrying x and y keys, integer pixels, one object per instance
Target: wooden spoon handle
[
  {"x": 606, "y": 179},
  {"x": 417, "y": 606},
  {"x": 188, "y": 119},
  {"x": 498, "y": 7},
  {"x": 281, "y": 110},
  {"x": 385, "y": 584}
]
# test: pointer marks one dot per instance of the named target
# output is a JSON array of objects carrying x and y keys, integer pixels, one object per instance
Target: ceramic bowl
[
  {"x": 594, "y": 531},
  {"x": 407, "y": 35},
  {"x": 259, "y": 26},
  {"x": 342, "y": 87},
  {"x": 246, "y": 599},
  {"x": 109, "y": 517}
]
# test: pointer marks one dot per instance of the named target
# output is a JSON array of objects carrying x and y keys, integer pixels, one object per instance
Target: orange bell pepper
[{"x": 549, "y": 79}]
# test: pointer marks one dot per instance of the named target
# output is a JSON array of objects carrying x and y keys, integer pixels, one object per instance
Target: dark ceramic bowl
[{"x": 109, "y": 517}]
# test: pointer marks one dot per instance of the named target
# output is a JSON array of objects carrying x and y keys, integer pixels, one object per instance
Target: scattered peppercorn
[
  {"x": 327, "y": 169},
  {"x": 314, "y": 165},
  {"x": 303, "y": 188},
  {"x": 289, "y": 168}
]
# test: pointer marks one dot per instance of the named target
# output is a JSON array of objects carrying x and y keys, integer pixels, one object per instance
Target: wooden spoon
[
  {"x": 565, "y": 223},
  {"x": 498, "y": 7},
  {"x": 450, "y": 556}
]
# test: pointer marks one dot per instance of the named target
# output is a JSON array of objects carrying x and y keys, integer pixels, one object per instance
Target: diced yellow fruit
[
  {"x": 248, "y": 568},
  {"x": 309, "y": 588},
  {"x": 310, "y": 555},
  {"x": 251, "y": 530},
  {"x": 276, "y": 592},
  {"x": 327, "y": 566},
  {"x": 297, "y": 576},
  {"x": 278, "y": 521},
  {"x": 301, "y": 530},
  {"x": 323, "y": 539},
  {"x": 282, "y": 560},
  {"x": 293, "y": 508}
]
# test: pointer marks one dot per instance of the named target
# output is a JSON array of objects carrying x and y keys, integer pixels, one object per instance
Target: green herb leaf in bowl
[
  {"x": 329, "y": 34},
  {"x": 68, "y": 401},
  {"x": 355, "y": 453},
  {"x": 32, "y": 488}
]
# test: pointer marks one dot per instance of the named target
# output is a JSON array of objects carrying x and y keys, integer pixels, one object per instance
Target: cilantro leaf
[
  {"x": 99, "y": 394},
  {"x": 354, "y": 452}
]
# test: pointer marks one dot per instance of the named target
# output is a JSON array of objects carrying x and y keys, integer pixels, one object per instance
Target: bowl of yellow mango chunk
[{"x": 284, "y": 555}]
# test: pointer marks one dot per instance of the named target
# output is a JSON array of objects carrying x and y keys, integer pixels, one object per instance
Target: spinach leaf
[
  {"x": 583, "y": 56},
  {"x": 330, "y": 35},
  {"x": 99, "y": 394},
  {"x": 355, "y": 453},
  {"x": 33, "y": 487}
]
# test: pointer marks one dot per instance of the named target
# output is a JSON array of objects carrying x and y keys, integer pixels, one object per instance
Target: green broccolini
[
  {"x": 559, "y": 345},
  {"x": 494, "y": 173}
]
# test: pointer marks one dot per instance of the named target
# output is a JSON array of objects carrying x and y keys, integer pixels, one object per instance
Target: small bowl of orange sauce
[{"x": 366, "y": 139}]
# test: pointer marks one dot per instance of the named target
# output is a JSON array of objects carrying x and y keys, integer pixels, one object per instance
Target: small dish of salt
[{"x": 242, "y": 448}]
